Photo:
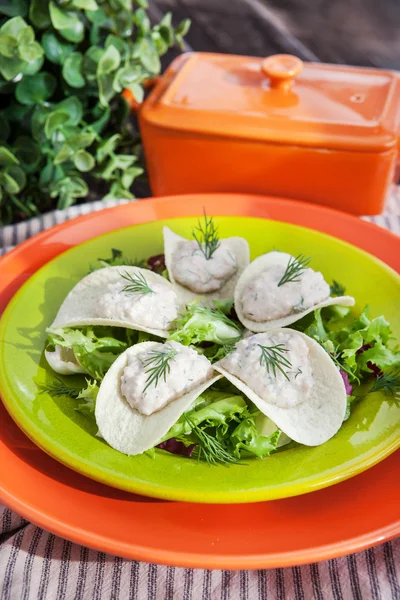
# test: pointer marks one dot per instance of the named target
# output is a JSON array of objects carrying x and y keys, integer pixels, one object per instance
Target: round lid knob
[{"x": 281, "y": 69}]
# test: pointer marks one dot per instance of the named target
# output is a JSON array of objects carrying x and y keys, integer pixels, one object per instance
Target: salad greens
[
  {"x": 222, "y": 427},
  {"x": 88, "y": 396},
  {"x": 155, "y": 263},
  {"x": 200, "y": 324},
  {"x": 360, "y": 346},
  {"x": 95, "y": 348},
  {"x": 117, "y": 259}
]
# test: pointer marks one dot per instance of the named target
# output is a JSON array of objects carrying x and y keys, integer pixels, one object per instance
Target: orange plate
[{"x": 316, "y": 526}]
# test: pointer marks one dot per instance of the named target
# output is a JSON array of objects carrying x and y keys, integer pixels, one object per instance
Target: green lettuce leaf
[
  {"x": 224, "y": 424},
  {"x": 224, "y": 306},
  {"x": 246, "y": 437},
  {"x": 336, "y": 312},
  {"x": 379, "y": 355},
  {"x": 212, "y": 408},
  {"x": 353, "y": 342},
  {"x": 94, "y": 361},
  {"x": 356, "y": 343},
  {"x": 349, "y": 400},
  {"x": 95, "y": 349},
  {"x": 215, "y": 352},
  {"x": 200, "y": 324},
  {"x": 89, "y": 396},
  {"x": 317, "y": 329}
]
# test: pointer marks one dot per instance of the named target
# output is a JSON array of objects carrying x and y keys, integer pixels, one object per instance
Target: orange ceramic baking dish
[{"x": 322, "y": 133}]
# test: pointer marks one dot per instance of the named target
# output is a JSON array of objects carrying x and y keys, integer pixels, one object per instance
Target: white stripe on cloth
[{"x": 35, "y": 564}]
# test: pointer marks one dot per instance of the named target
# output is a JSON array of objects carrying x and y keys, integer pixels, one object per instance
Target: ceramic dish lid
[{"x": 279, "y": 99}]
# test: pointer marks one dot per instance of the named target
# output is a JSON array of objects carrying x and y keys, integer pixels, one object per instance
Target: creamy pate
[
  {"x": 155, "y": 310},
  {"x": 247, "y": 364},
  {"x": 191, "y": 269},
  {"x": 187, "y": 370},
  {"x": 263, "y": 300}
]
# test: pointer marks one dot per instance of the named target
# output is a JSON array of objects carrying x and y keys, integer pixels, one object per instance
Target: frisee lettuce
[
  {"x": 247, "y": 439},
  {"x": 57, "y": 388},
  {"x": 89, "y": 396},
  {"x": 224, "y": 306},
  {"x": 360, "y": 346},
  {"x": 200, "y": 324},
  {"x": 349, "y": 402},
  {"x": 215, "y": 352},
  {"x": 95, "y": 348},
  {"x": 230, "y": 421}
]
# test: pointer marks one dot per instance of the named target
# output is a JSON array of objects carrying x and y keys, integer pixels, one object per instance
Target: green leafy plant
[{"x": 63, "y": 120}]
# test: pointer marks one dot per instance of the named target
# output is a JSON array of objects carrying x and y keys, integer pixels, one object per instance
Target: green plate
[{"x": 371, "y": 433}]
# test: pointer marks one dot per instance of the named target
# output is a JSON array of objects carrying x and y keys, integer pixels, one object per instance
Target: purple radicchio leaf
[
  {"x": 156, "y": 263},
  {"x": 345, "y": 377},
  {"x": 172, "y": 445},
  {"x": 376, "y": 371}
]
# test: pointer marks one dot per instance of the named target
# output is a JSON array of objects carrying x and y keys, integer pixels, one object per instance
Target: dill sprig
[
  {"x": 294, "y": 269},
  {"x": 58, "y": 388},
  {"x": 207, "y": 238},
  {"x": 337, "y": 289},
  {"x": 274, "y": 359},
  {"x": 160, "y": 359},
  {"x": 209, "y": 449},
  {"x": 388, "y": 383},
  {"x": 336, "y": 357},
  {"x": 137, "y": 283}
]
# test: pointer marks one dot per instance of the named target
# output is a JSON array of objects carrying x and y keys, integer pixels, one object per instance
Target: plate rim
[
  {"x": 207, "y": 561},
  {"x": 254, "y": 561},
  {"x": 165, "y": 200}
]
